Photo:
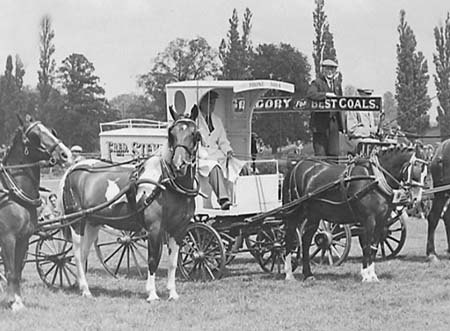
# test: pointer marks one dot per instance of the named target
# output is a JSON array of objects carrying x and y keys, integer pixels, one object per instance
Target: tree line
[{"x": 69, "y": 97}]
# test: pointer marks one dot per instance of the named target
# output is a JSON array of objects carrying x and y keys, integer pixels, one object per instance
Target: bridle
[
  {"x": 192, "y": 164},
  {"x": 41, "y": 149},
  {"x": 11, "y": 185},
  {"x": 406, "y": 181},
  {"x": 192, "y": 153}
]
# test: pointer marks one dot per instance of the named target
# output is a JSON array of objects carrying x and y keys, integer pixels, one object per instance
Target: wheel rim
[
  {"x": 55, "y": 261},
  {"x": 270, "y": 249},
  {"x": 336, "y": 248},
  {"x": 2, "y": 276},
  {"x": 201, "y": 255},
  {"x": 393, "y": 237},
  {"x": 122, "y": 253}
]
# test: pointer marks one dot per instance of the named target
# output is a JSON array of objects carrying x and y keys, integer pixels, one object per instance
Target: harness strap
[{"x": 344, "y": 185}]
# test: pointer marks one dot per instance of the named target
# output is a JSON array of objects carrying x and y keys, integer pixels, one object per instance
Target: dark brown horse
[
  {"x": 151, "y": 209},
  {"x": 19, "y": 196},
  {"x": 440, "y": 172},
  {"x": 361, "y": 192}
]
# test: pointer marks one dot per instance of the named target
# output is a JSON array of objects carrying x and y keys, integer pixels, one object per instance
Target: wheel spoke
[
  {"x": 120, "y": 261},
  {"x": 112, "y": 254},
  {"x": 138, "y": 266}
]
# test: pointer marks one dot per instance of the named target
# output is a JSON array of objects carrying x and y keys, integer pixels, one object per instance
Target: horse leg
[
  {"x": 173, "y": 257},
  {"x": 20, "y": 252},
  {"x": 291, "y": 227},
  {"x": 433, "y": 218},
  {"x": 154, "y": 255},
  {"x": 311, "y": 226},
  {"x": 366, "y": 240},
  {"x": 81, "y": 247},
  {"x": 14, "y": 299},
  {"x": 446, "y": 218}
]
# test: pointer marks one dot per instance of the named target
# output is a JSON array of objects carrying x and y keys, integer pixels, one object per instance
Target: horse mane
[
  {"x": 402, "y": 148},
  {"x": 17, "y": 137}
]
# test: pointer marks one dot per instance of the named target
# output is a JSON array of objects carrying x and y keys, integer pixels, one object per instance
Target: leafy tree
[
  {"x": 236, "y": 52},
  {"x": 46, "y": 62},
  {"x": 323, "y": 44},
  {"x": 390, "y": 109},
  {"x": 85, "y": 106},
  {"x": 19, "y": 72},
  {"x": 132, "y": 106},
  {"x": 286, "y": 63},
  {"x": 182, "y": 60},
  {"x": 441, "y": 60},
  {"x": 412, "y": 78},
  {"x": 14, "y": 98}
]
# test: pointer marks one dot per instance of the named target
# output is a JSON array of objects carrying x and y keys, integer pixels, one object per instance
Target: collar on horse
[
  {"x": 15, "y": 191},
  {"x": 11, "y": 188}
]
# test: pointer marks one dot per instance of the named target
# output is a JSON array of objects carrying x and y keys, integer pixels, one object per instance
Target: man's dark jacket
[{"x": 317, "y": 91}]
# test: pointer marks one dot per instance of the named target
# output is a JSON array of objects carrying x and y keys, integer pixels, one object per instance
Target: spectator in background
[
  {"x": 50, "y": 209},
  {"x": 76, "y": 152}
]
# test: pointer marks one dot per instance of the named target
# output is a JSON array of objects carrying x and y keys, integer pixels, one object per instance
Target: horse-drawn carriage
[
  {"x": 140, "y": 201},
  {"x": 255, "y": 193}
]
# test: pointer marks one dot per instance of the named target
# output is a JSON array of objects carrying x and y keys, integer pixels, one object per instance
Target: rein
[
  {"x": 171, "y": 178},
  {"x": 11, "y": 187}
]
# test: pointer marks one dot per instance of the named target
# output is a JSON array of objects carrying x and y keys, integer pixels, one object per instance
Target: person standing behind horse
[
  {"x": 325, "y": 126},
  {"x": 216, "y": 154}
]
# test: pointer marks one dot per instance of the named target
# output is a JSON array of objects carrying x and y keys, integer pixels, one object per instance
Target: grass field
[{"x": 411, "y": 295}]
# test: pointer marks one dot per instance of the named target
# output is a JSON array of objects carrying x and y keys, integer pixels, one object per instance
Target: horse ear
[
  {"x": 194, "y": 113},
  {"x": 20, "y": 119},
  {"x": 173, "y": 113},
  {"x": 28, "y": 118}
]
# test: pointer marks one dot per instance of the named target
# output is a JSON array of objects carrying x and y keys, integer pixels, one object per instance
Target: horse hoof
[
  {"x": 174, "y": 297},
  {"x": 289, "y": 277},
  {"x": 153, "y": 298},
  {"x": 309, "y": 279},
  {"x": 432, "y": 259},
  {"x": 86, "y": 294},
  {"x": 17, "y": 306}
]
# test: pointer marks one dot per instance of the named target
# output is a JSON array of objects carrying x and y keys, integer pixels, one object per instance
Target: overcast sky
[{"x": 122, "y": 37}]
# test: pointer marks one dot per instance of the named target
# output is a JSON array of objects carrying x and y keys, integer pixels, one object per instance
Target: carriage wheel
[
  {"x": 202, "y": 255},
  {"x": 250, "y": 243},
  {"x": 270, "y": 249},
  {"x": 122, "y": 253},
  {"x": 393, "y": 237},
  {"x": 55, "y": 262},
  {"x": 330, "y": 244}
]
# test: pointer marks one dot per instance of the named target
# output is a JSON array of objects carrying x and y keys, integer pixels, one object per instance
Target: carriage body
[{"x": 252, "y": 193}]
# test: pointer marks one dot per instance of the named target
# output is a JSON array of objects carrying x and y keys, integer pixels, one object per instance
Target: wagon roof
[{"x": 236, "y": 85}]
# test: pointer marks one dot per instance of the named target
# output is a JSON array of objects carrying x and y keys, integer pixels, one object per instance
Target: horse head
[
  {"x": 404, "y": 167},
  {"x": 40, "y": 143},
  {"x": 184, "y": 139}
]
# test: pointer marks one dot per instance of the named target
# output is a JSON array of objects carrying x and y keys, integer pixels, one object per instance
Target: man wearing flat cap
[
  {"x": 325, "y": 126},
  {"x": 216, "y": 159}
]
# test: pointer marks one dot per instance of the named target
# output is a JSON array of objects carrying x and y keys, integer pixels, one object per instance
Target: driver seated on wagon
[{"x": 216, "y": 161}]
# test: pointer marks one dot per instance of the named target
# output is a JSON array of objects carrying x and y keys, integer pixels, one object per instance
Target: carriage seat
[{"x": 253, "y": 191}]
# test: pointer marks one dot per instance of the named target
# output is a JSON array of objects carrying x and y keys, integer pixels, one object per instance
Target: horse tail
[
  {"x": 60, "y": 201},
  {"x": 63, "y": 191}
]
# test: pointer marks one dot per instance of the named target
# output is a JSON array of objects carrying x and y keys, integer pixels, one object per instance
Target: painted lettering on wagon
[
  {"x": 131, "y": 149},
  {"x": 271, "y": 104}
]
